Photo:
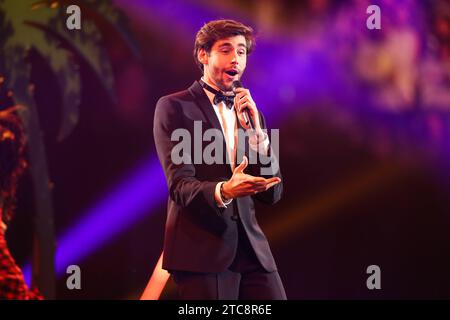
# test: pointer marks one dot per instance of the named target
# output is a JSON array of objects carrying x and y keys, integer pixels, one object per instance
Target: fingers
[
  {"x": 265, "y": 185},
  {"x": 241, "y": 91},
  {"x": 240, "y": 168},
  {"x": 257, "y": 181},
  {"x": 254, "y": 185},
  {"x": 240, "y": 100},
  {"x": 245, "y": 103},
  {"x": 261, "y": 184},
  {"x": 260, "y": 181},
  {"x": 273, "y": 180},
  {"x": 261, "y": 188},
  {"x": 270, "y": 185},
  {"x": 242, "y": 96},
  {"x": 244, "y": 123}
]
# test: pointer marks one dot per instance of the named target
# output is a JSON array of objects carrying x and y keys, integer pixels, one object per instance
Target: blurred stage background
[{"x": 364, "y": 133}]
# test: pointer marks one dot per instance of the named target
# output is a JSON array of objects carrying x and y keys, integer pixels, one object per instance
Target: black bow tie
[
  {"x": 228, "y": 100},
  {"x": 219, "y": 96}
]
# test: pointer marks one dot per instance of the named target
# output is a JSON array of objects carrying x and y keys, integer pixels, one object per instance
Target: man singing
[{"x": 213, "y": 246}]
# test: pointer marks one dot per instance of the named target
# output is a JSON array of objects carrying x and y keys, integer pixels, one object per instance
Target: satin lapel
[{"x": 204, "y": 104}]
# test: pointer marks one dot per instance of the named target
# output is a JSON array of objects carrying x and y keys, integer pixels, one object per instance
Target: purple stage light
[
  {"x": 142, "y": 191},
  {"x": 130, "y": 201}
]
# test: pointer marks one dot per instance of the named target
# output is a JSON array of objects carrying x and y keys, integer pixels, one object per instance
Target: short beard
[
  {"x": 219, "y": 84},
  {"x": 223, "y": 88}
]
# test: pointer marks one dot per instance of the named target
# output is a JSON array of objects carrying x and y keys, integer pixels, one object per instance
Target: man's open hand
[{"x": 242, "y": 184}]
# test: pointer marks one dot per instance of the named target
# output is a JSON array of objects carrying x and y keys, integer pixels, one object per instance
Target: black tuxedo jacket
[{"x": 200, "y": 236}]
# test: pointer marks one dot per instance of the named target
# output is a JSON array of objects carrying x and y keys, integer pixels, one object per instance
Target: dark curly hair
[
  {"x": 12, "y": 159},
  {"x": 215, "y": 30}
]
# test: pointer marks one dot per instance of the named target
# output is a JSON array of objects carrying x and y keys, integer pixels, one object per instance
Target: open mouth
[{"x": 231, "y": 72}]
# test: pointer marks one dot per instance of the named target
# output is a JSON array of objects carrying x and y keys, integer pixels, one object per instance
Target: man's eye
[{"x": 242, "y": 52}]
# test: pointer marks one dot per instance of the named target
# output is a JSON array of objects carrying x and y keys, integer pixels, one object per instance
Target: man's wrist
[
  {"x": 259, "y": 142},
  {"x": 224, "y": 194},
  {"x": 220, "y": 201},
  {"x": 260, "y": 136}
]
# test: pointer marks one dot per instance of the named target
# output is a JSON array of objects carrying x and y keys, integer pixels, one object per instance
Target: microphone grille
[{"x": 236, "y": 84}]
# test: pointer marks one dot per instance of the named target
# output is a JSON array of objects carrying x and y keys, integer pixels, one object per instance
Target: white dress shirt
[{"x": 228, "y": 122}]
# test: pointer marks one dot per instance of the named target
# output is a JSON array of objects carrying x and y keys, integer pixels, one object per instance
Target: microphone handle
[{"x": 248, "y": 119}]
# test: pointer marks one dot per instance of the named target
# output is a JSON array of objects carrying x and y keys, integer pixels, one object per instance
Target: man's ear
[{"x": 202, "y": 56}]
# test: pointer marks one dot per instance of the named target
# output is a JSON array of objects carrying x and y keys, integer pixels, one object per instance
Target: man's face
[{"x": 225, "y": 63}]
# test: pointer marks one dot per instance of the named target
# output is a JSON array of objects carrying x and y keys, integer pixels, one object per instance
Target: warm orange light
[
  {"x": 156, "y": 283},
  {"x": 8, "y": 135}
]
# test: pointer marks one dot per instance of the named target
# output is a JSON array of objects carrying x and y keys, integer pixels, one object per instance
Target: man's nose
[{"x": 234, "y": 59}]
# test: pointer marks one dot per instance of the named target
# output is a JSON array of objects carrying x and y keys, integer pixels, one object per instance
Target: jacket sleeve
[
  {"x": 267, "y": 166},
  {"x": 184, "y": 188}
]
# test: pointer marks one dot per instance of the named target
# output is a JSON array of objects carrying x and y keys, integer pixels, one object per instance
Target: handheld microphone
[{"x": 245, "y": 113}]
